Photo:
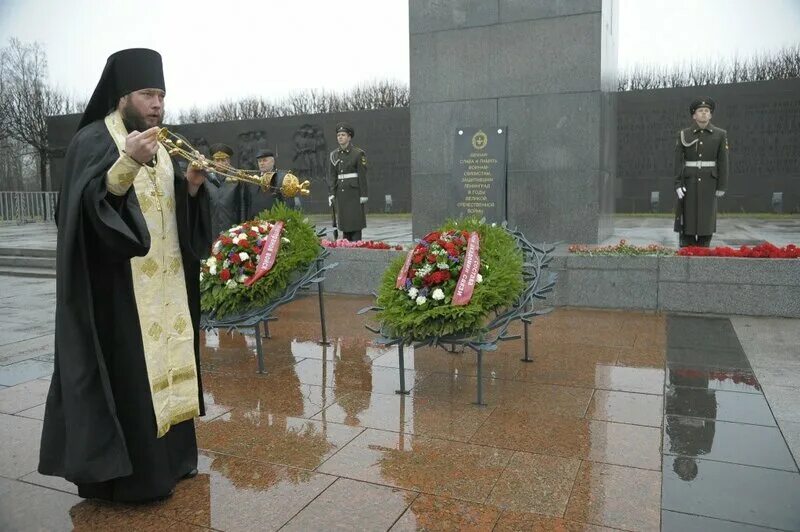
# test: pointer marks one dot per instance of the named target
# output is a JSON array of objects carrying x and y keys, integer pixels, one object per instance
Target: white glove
[
  {"x": 363, "y": 199},
  {"x": 720, "y": 193},
  {"x": 681, "y": 192},
  {"x": 330, "y": 201}
]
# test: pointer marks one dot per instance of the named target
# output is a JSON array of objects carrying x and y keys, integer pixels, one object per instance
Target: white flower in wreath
[
  {"x": 231, "y": 283},
  {"x": 242, "y": 278},
  {"x": 212, "y": 269},
  {"x": 479, "y": 279},
  {"x": 285, "y": 240},
  {"x": 217, "y": 247},
  {"x": 211, "y": 261},
  {"x": 421, "y": 300},
  {"x": 443, "y": 266},
  {"x": 226, "y": 263},
  {"x": 413, "y": 292},
  {"x": 244, "y": 256},
  {"x": 202, "y": 276},
  {"x": 438, "y": 294}
]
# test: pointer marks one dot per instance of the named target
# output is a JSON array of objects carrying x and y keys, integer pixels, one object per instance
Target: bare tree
[
  {"x": 375, "y": 95},
  {"x": 26, "y": 100},
  {"x": 781, "y": 64}
]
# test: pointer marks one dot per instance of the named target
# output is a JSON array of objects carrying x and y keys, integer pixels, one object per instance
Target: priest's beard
[{"x": 134, "y": 120}]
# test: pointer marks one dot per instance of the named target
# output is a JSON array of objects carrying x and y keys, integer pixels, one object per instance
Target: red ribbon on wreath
[
  {"x": 268, "y": 253},
  {"x": 469, "y": 272},
  {"x": 401, "y": 277}
]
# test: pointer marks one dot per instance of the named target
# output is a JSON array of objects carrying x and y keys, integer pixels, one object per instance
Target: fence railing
[{"x": 27, "y": 207}]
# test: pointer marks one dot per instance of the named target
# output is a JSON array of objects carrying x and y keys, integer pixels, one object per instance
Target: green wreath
[
  {"x": 234, "y": 257},
  {"x": 423, "y": 307}
]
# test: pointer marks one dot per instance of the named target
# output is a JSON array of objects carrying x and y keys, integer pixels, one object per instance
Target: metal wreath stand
[
  {"x": 314, "y": 274},
  {"x": 538, "y": 282}
]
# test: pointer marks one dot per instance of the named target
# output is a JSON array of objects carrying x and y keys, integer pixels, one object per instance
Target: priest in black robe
[{"x": 119, "y": 419}]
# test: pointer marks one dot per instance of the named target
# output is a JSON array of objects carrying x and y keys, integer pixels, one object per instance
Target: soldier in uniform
[
  {"x": 256, "y": 199},
  {"x": 348, "y": 178},
  {"x": 227, "y": 199},
  {"x": 701, "y": 175}
]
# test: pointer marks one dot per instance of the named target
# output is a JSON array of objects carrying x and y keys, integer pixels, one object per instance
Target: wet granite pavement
[{"x": 624, "y": 420}]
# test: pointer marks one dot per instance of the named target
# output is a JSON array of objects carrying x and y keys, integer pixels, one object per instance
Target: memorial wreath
[
  {"x": 451, "y": 281},
  {"x": 252, "y": 263}
]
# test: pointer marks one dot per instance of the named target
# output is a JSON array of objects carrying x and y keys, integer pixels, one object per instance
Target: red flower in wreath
[
  {"x": 225, "y": 275},
  {"x": 432, "y": 237}
]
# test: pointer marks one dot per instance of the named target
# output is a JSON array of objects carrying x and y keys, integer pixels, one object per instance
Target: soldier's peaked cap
[
  {"x": 347, "y": 128},
  {"x": 702, "y": 102},
  {"x": 221, "y": 148}
]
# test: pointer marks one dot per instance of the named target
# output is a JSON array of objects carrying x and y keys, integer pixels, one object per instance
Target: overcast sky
[{"x": 217, "y": 50}]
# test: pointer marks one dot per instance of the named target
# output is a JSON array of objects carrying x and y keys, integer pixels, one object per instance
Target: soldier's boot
[
  {"x": 687, "y": 240},
  {"x": 352, "y": 236},
  {"x": 704, "y": 241}
]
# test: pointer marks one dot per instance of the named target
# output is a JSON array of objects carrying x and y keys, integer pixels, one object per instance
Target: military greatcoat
[
  {"x": 701, "y": 166},
  {"x": 348, "y": 172}
]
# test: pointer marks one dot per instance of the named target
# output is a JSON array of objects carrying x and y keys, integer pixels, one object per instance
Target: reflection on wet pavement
[
  {"x": 616, "y": 410},
  {"x": 726, "y": 464}
]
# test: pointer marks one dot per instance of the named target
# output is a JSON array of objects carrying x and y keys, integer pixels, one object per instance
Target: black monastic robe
[{"x": 100, "y": 429}]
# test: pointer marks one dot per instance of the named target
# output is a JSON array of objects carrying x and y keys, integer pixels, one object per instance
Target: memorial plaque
[{"x": 478, "y": 181}]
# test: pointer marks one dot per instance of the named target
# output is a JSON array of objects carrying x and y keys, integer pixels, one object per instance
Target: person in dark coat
[
  {"x": 257, "y": 199},
  {"x": 228, "y": 197},
  {"x": 119, "y": 417},
  {"x": 701, "y": 175},
  {"x": 348, "y": 178}
]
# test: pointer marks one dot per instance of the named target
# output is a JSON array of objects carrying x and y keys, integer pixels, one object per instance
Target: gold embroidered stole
[{"x": 160, "y": 291}]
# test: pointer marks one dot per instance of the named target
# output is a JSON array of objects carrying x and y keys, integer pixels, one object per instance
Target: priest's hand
[
  {"x": 142, "y": 147},
  {"x": 195, "y": 178}
]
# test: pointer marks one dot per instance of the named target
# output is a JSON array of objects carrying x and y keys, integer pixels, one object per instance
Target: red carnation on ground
[
  {"x": 225, "y": 275},
  {"x": 764, "y": 250}
]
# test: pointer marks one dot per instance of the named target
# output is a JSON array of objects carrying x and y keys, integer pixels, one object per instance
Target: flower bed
[
  {"x": 420, "y": 303},
  {"x": 226, "y": 276},
  {"x": 622, "y": 249},
  {"x": 764, "y": 250},
  {"x": 361, "y": 244}
]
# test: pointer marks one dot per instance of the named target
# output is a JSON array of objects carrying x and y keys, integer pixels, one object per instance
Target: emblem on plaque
[{"x": 479, "y": 140}]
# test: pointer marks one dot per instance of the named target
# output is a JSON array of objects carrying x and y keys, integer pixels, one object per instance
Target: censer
[{"x": 176, "y": 145}]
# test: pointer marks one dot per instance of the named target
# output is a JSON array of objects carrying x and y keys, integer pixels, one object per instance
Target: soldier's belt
[
  {"x": 348, "y": 176},
  {"x": 700, "y": 164}
]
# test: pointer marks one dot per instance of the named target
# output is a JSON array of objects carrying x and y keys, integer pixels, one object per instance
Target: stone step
[
  {"x": 27, "y": 272},
  {"x": 27, "y": 252},
  {"x": 19, "y": 261}
]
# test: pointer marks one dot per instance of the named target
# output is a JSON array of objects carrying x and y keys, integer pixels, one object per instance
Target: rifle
[{"x": 333, "y": 221}]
